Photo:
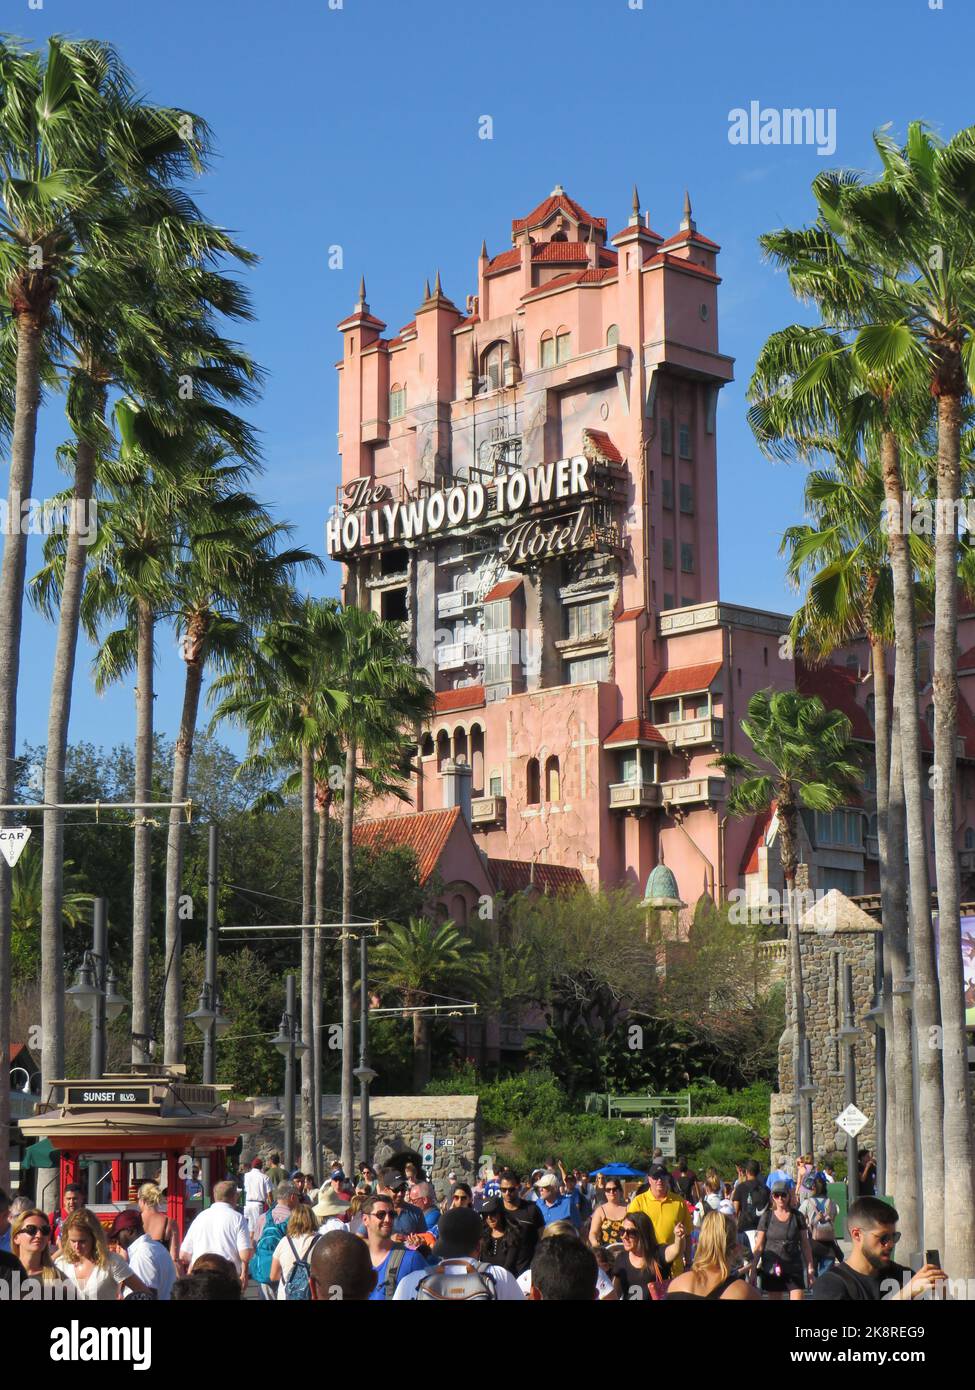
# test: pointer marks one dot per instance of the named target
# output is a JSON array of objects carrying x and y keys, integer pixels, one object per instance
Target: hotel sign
[{"x": 373, "y": 518}]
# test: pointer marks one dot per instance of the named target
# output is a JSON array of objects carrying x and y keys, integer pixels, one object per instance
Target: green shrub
[
  {"x": 533, "y": 1096},
  {"x": 750, "y": 1105}
]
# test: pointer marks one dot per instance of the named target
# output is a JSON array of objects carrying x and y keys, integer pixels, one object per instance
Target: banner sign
[{"x": 106, "y": 1097}]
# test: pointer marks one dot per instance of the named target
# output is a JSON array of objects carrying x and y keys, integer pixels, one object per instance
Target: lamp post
[
  {"x": 289, "y": 1043},
  {"x": 875, "y": 1021},
  {"x": 848, "y": 1036},
  {"x": 364, "y": 1072},
  {"x": 95, "y": 993}
]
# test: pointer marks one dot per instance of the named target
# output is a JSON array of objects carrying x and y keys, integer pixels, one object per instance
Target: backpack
[
  {"x": 471, "y": 1283},
  {"x": 297, "y": 1286},
  {"x": 271, "y": 1237},
  {"x": 396, "y": 1258}
]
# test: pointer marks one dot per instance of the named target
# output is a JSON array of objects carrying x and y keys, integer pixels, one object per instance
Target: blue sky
[{"x": 358, "y": 126}]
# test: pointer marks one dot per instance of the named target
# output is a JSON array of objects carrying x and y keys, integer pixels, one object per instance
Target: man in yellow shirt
[{"x": 666, "y": 1210}]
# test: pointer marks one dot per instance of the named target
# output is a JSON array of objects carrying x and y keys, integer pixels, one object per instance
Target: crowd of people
[{"x": 554, "y": 1234}]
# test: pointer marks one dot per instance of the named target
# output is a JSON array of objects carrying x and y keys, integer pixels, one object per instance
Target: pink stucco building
[{"x": 529, "y": 481}]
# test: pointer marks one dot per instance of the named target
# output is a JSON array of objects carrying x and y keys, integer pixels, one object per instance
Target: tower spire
[
  {"x": 361, "y": 303},
  {"x": 635, "y": 215},
  {"x": 688, "y": 224},
  {"x": 437, "y": 287},
  {"x": 426, "y": 290},
  {"x": 484, "y": 250}
]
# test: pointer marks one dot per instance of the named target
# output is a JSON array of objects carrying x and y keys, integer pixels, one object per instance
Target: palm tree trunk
[
  {"x": 321, "y": 866},
  {"x": 307, "y": 958},
  {"x": 421, "y": 1048},
  {"x": 787, "y": 840},
  {"x": 193, "y": 654},
  {"x": 926, "y": 1013},
  {"x": 959, "y": 1170},
  {"x": 348, "y": 822},
  {"x": 59, "y": 713},
  {"x": 881, "y": 749},
  {"x": 902, "y": 1142},
  {"x": 142, "y": 848},
  {"x": 12, "y": 572}
]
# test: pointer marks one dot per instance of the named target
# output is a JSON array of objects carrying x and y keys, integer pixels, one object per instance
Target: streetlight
[
  {"x": 289, "y": 1043},
  {"x": 95, "y": 992}
]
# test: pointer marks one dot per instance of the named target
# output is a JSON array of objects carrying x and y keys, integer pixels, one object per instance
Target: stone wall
[
  {"x": 396, "y": 1123},
  {"x": 835, "y": 933}
]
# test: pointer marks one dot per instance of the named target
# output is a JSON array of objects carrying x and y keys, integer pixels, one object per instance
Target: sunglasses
[
  {"x": 610, "y": 1189},
  {"x": 509, "y": 1189},
  {"x": 382, "y": 1215},
  {"x": 889, "y": 1240},
  {"x": 629, "y": 1232},
  {"x": 33, "y": 1231}
]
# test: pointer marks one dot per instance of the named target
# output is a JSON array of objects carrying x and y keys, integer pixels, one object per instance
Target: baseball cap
[
  {"x": 491, "y": 1206},
  {"x": 658, "y": 1171},
  {"x": 459, "y": 1233},
  {"x": 127, "y": 1221},
  {"x": 779, "y": 1187},
  {"x": 548, "y": 1180},
  {"x": 392, "y": 1179}
]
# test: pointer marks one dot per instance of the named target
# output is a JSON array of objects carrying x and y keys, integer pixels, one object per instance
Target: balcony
[
  {"x": 488, "y": 810},
  {"x": 693, "y": 733},
  {"x": 872, "y": 844},
  {"x": 455, "y": 601},
  {"x": 452, "y": 656},
  {"x": 634, "y": 796},
  {"x": 691, "y": 790}
]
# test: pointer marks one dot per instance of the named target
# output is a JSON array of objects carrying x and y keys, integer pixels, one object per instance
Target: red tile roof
[
  {"x": 686, "y": 680},
  {"x": 592, "y": 276},
  {"x": 505, "y": 589},
  {"x": 505, "y": 261},
  {"x": 678, "y": 263},
  {"x": 691, "y": 236},
  {"x": 607, "y": 257},
  {"x": 515, "y": 875},
  {"x": 756, "y": 838},
  {"x": 837, "y": 688},
  {"x": 628, "y": 615},
  {"x": 560, "y": 251},
  {"x": 630, "y": 729},
  {"x": 637, "y": 227},
  {"x": 424, "y": 832},
  {"x": 468, "y": 697},
  {"x": 605, "y": 445},
  {"x": 555, "y": 203}
]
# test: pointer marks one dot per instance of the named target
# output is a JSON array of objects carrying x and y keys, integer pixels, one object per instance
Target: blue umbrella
[{"x": 619, "y": 1170}]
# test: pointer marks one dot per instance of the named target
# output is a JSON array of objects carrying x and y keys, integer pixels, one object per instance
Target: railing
[
  {"x": 691, "y": 789},
  {"x": 455, "y": 601},
  {"x": 625, "y": 796},
  {"x": 679, "y": 1104},
  {"x": 488, "y": 810},
  {"x": 455, "y": 654},
  {"x": 686, "y": 732}
]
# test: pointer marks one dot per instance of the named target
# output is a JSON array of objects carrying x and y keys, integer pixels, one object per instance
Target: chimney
[{"x": 457, "y": 787}]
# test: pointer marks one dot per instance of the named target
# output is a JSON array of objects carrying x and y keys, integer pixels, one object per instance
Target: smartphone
[{"x": 932, "y": 1257}]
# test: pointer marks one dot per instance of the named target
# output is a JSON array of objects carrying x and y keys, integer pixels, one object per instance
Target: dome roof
[{"x": 662, "y": 890}]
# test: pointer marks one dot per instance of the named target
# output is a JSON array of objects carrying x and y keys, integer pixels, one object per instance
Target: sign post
[{"x": 665, "y": 1135}]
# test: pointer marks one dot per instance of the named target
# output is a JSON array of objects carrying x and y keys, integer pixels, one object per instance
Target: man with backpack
[
  {"x": 750, "y": 1198},
  {"x": 869, "y": 1274},
  {"x": 392, "y": 1262},
  {"x": 269, "y": 1233},
  {"x": 458, "y": 1274}
]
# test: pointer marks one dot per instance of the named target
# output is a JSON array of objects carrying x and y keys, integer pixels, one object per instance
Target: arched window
[
  {"x": 546, "y": 350},
  {"x": 969, "y": 838},
  {"x": 492, "y": 366},
  {"x": 397, "y": 402},
  {"x": 460, "y": 745},
  {"x": 553, "y": 782},
  {"x": 427, "y": 746},
  {"x": 477, "y": 760},
  {"x": 923, "y": 665},
  {"x": 458, "y": 910},
  {"x": 562, "y": 343},
  {"x": 613, "y": 335},
  {"x": 443, "y": 749},
  {"x": 533, "y": 789}
]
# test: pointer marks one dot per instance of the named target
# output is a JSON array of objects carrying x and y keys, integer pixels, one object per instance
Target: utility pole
[
  {"x": 210, "y": 1036},
  {"x": 364, "y": 1071},
  {"x": 287, "y": 1036}
]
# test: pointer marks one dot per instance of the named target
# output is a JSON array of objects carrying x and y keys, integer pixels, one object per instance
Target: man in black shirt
[
  {"x": 869, "y": 1273},
  {"x": 750, "y": 1199},
  {"x": 524, "y": 1216}
]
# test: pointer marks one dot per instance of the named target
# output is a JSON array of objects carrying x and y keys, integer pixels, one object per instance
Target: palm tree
[
  {"x": 917, "y": 222},
  {"x": 813, "y": 764},
  {"x": 842, "y": 557},
  {"x": 228, "y": 575},
  {"x": 815, "y": 381},
  {"x": 386, "y": 697},
  {"x": 26, "y": 906},
  {"x": 62, "y": 125},
  {"x": 421, "y": 962}
]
